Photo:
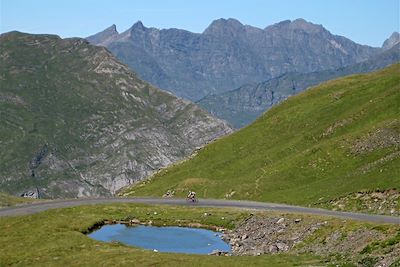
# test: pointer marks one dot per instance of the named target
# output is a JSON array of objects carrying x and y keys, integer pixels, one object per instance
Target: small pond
[{"x": 163, "y": 239}]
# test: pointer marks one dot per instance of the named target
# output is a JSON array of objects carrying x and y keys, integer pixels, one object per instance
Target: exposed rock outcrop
[
  {"x": 391, "y": 41},
  {"x": 269, "y": 235},
  {"x": 76, "y": 122},
  {"x": 228, "y": 54},
  {"x": 272, "y": 234}
]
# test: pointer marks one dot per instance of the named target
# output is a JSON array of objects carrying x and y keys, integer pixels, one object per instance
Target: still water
[{"x": 163, "y": 239}]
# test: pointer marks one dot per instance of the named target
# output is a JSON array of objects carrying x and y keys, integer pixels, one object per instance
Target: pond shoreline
[
  {"x": 260, "y": 234},
  {"x": 136, "y": 222},
  {"x": 169, "y": 239}
]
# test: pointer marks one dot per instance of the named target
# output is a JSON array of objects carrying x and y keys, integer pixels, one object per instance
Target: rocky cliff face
[
  {"x": 106, "y": 36},
  {"x": 76, "y": 122},
  {"x": 228, "y": 54},
  {"x": 391, "y": 41},
  {"x": 243, "y": 105}
]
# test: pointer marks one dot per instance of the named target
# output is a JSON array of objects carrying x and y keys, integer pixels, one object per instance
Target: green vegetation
[
  {"x": 375, "y": 202},
  {"x": 55, "y": 237},
  {"x": 245, "y": 104},
  {"x": 382, "y": 244},
  {"x": 7, "y": 200},
  {"x": 332, "y": 140}
]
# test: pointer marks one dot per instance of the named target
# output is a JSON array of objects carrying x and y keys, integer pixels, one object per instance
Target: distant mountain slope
[
  {"x": 228, "y": 54},
  {"x": 243, "y": 105},
  {"x": 337, "y": 138},
  {"x": 76, "y": 122},
  {"x": 393, "y": 40},
  {"x": 105, "y": 36}
]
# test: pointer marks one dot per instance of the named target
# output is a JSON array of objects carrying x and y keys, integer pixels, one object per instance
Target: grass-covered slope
[
  {"x": 340, "y": 137},
  {"x": 245, "y": 104},
  {"x": 52, "y": 238},
  {"x": 57, "y": 238},
  {"x": 7, "y": 200}
]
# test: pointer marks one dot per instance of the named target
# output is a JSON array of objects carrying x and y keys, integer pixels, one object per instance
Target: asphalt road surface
[{"x": 27, "y": 209}]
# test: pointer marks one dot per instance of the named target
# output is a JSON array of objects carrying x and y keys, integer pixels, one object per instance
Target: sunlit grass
[{"x": 301, "y": 151}]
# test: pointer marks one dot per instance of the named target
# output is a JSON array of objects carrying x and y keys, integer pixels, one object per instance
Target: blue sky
[{"x": 364, "y": 21}]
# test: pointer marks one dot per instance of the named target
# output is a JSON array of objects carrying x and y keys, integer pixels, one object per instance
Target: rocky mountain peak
[
  {"x": 138, "y": 26},
  {"x": 283, "y": 23},
  {"x": 297, "y": 24},
  {"x": 391, "y": 41},
  {"x": 229, "y": 54},
  {"x": 106, "y": 35},
  {"x": 112, "y": 29},
  {"x": 223, "y": 25},
  {"x": 306, "y": 26}
]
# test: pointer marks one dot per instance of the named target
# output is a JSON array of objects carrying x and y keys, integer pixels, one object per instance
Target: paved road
[{"x": 42, "y": 206}]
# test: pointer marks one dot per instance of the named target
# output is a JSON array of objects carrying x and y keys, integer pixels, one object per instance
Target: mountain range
[
  {"x": 76, "y": 122},
  {"x": 243, "y": 105},
  {"x": 228, "y": 54}
]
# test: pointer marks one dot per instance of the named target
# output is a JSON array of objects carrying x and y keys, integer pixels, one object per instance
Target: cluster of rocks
[
  {"x": 268, "y": 235},
  {"x": 381, "y": 138},
  {"x": 34, "y": 193},
  {"x": 378, "y": 202},
  {"x": 260, "y": 234},
  {"x": 219, "y": 253},
  {"x": 355, "y": 246},
  {"x": 345, "y": 242},
  {"x": 169, "y": 193},
  {"x": 331, "y": 129}
]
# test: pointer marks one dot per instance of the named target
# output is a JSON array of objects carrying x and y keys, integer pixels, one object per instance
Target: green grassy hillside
[
  {"x": 340, "y": 137},
  {"x": 7, "y": 200},
  {"x": 245, "y": 104}
]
